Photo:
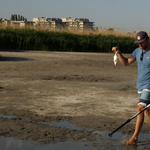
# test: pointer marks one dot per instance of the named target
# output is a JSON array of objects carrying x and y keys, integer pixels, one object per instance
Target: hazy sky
[{"x": 126, "y": 14}]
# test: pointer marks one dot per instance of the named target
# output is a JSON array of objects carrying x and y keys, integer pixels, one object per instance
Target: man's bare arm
[{"x": 125, "y": 61}]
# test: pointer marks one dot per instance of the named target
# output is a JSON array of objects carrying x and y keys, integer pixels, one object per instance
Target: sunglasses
[{"x": 141, "y": 58}]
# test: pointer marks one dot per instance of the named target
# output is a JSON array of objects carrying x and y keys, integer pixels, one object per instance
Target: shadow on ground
[{"x": 3, "y": 58}]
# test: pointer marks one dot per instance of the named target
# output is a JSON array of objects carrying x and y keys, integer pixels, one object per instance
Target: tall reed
[{"x": 44, "y": 39}]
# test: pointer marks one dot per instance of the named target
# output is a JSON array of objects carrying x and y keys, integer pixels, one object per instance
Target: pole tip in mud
[{"x": 110, "y": 134}]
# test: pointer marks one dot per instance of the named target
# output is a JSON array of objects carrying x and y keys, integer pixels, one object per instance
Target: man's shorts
[{"x": 144, "y": 97}]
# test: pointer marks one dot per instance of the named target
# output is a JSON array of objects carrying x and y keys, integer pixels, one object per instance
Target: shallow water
[
  {"x": 64, "y": 124},
  {"x": 11, "y": 117},
  {"x": 115, "y": 142},
  {"x": 102, "y": 142},
  {"x": 16, "y": 144},
  {"x": 8, "y": 117}
]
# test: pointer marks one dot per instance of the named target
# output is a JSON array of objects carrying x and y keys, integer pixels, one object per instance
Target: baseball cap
[{"x": 141, "y": 37}]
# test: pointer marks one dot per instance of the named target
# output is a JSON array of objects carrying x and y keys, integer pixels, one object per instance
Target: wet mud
[{"x": 85, "y": 89}]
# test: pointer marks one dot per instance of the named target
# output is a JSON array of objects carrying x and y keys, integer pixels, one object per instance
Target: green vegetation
[
  {"x": 31, "y": 39},
  {"x": 1, "y": 58},
  {"x": 16, "y": 17},
  {"x": 1, "y": 20}
]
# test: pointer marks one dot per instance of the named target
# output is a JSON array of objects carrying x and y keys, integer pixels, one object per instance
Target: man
[{"x": 142, "y": 56}]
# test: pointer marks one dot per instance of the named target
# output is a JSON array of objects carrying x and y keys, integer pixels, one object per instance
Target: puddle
[
  {"x": 11, "y": 117},
  {"x": 117, "y": 139},
  {"x": 102, "y": 142},
  {"x": 8, "y": 117},
  {"x": 15, "y": 144},
  {"x": 64, "y": 124}
]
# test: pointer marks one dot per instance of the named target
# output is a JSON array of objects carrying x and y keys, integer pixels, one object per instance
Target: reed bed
[{"x": 34, "y": 38}]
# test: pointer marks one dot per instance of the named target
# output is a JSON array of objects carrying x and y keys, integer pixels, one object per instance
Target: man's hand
[
  {"x": 115, "y": 49},
  {"x": 122, "y": 59}
]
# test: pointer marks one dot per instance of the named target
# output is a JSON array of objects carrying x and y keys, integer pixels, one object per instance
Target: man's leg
[
  {"x": 139, "y": 123},
  {"x": 148, "y": 114}
]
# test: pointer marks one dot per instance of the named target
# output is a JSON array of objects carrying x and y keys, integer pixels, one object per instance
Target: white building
[
  {"x": 78, "y": 23},
  {"x": 53, "y": 23},
  {"x": 67, "y": 23}
]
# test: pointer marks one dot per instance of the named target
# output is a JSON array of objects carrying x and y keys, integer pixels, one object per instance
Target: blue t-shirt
[{"x": 143, "y": 80}]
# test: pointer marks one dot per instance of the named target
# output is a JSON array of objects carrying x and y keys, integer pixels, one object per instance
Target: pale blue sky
[{"x": 126, "y": 14}]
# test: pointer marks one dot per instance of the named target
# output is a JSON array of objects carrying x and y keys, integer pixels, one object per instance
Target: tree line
[{"x": 15, "y": 17}]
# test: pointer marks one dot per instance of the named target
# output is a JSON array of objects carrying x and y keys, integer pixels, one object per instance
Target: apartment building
[
  {"x": 78, "y": 23},
  {"x": 17, "y": 24},
  {"x": 67, "y": 23},
  {"x": 52, "y": 23}
]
